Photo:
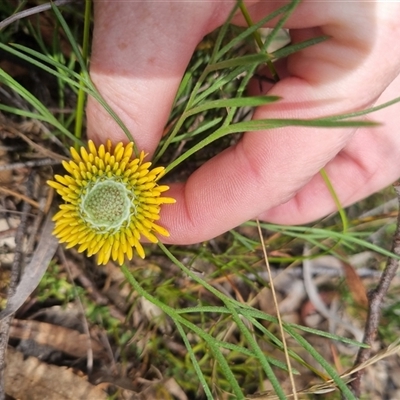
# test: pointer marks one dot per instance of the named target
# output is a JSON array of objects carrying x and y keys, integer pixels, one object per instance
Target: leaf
[
  {"x": 31, "y": 379},
  {"x": 235, "y": 102},
  {"x": 286, "y": 51},
  {"x": 253, "y": 59},
  {"x": 69, "y": 341},
  {"x": 35, "y": 270},
  {"x": 355, "y": 285}
]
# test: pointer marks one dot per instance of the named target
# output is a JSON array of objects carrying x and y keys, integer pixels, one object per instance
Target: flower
[{"x": 110, "y": 201}]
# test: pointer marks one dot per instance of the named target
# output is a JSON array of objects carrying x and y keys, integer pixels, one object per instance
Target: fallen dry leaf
[
  {"x": 355, "y": 285},
  {"x": 5, "y": 175},
  {"x": 31, "y": 379},
  {"x": 35, "y": 270},
  {"x": 67, "y": 340}
]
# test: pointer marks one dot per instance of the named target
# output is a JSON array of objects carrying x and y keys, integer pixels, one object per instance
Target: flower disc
[{"x": 106, "y": 204}]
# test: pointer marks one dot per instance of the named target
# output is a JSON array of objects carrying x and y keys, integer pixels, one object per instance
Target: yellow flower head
[{"x": 110, "y": 200}]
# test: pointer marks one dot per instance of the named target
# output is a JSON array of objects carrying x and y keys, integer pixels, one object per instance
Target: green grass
[{"x": 204, "y": 294}]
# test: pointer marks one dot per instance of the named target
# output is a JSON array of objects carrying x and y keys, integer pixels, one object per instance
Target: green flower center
[{"x": 106, "y": 205}]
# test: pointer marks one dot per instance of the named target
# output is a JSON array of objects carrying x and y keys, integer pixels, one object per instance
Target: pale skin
[{"x": 141, "y": 50}]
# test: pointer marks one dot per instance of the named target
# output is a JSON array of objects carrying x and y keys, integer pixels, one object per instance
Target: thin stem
[
  {"x": 278, "y": 314},
  {"x": 335, "y": 198},
  {"x": 259, "y": 42},
  {"x": 80, "y": 106}
]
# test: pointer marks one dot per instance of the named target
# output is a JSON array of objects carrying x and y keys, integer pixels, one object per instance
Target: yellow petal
[
  {"x": 128, "y": 151},
  {"x": 167, "y": 200},
  {"x": 121, "y": 257},
  {"x": 75, "y": 155},
  {"x": 84, "y": 155},
  {"x": 92, "y": 148},
  {"x": 129, "y": 253},
  {"x": 146, "y": 233},
  {"x": 119, "y": 151},
  {"x": 83, "y": 247},
  {"x": 115, "y": 249},
  {"x": 145, "y": 166},
  {"x": 72, "y": 243},
  {"x": 101, "y": 151},
  {"x": 159, "y": 229},
  {"x": 56, "y": 185},
  {"x": 139, "y": 249}
]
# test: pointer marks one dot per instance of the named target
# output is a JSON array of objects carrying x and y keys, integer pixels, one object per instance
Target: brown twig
[
  {"x": 375, "y": 301},
  {"x": 20, "y": 196},
  {"x": 15, "y": 275},
  {"x": 85, "y": 324},
  {"x": 28, "y": 164},
  {"x": 32, "y": 11}
]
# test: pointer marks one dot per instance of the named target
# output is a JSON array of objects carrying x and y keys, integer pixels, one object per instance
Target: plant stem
[{"x": 80, "y": 106}]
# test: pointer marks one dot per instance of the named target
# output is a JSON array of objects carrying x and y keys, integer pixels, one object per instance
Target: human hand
[{"x": 141, "y": 50}]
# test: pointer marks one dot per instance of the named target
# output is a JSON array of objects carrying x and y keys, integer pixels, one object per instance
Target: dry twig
[
  {"x": 15, "y": 275},
  {"x": 32, "y": 11},
  {"x": 28, "y": 164},
  {"x": 375, "y": 301}
]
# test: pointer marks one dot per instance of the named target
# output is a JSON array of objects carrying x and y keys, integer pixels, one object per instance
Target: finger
[
  {"x": 268, "y": 168},
  {"x": 139, "y": 55},
  {"x": 361, "y": 49},
  {"x": 243, "y": 181},
  {"x": 370, "y": 162}
]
